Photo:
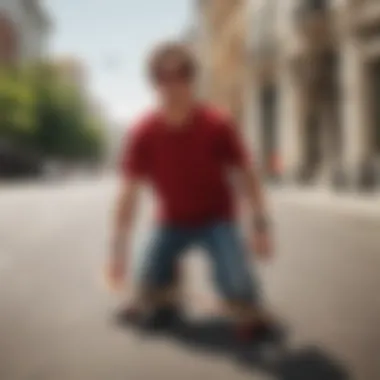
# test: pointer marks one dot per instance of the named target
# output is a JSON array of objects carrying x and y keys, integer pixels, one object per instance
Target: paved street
[{"x": 54, "y": 318}]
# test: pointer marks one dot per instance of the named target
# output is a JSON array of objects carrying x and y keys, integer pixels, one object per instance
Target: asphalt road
[{"x": 55, "y": 313}]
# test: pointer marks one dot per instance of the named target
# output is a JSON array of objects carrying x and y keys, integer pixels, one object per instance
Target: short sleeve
[
  {"x": 233, "y": 150},
  {"x": 134, "y": 157}
]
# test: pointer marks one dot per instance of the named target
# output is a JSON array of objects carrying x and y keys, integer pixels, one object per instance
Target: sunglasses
[{"x": 183, "y": 73}]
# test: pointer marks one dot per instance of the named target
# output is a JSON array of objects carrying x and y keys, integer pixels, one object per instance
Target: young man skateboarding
[{"x": 186, "y": 151}]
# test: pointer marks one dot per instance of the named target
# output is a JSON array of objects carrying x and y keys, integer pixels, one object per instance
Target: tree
[
  {"x": 42, "y": 111},
  {"x": 65, "y": 129},
  {"x": 17, "y": 107}
]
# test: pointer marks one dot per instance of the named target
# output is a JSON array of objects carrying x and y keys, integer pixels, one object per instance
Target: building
[
  {"x": 261, "y": 123},
  {"x": 310, "y": 109},
  {"x": 222, "y": 51},
  {"x": 360, "y": 54},
  {"x": 24, "y": 31},
  {"x": 303, "y": 79}
]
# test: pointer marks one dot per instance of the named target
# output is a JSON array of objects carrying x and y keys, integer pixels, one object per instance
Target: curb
[{"x": 368, "y": 206}]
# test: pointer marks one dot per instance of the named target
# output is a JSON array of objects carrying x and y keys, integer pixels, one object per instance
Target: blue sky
[{"x": 112, "y": 38}]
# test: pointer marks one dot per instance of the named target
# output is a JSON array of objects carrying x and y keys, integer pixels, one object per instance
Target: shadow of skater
[{"x": 268, "y": 354}]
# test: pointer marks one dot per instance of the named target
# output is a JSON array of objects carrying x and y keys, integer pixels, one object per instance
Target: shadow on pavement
[{"x": 268, "y": 354}]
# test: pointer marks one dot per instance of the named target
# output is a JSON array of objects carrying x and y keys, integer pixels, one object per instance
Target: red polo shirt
[{"x": 186, "y": 165}]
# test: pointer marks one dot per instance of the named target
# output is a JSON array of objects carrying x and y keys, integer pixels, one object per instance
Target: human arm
[
  {"x": 133, "y": 170},
  {"x": 236, "y": 155},
  {"x": 124, "y": 217}
]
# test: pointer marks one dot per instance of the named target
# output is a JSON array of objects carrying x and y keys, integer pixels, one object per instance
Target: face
[{"x": 174, "y": 81}]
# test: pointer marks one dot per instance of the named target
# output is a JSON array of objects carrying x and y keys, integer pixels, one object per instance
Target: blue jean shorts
[{"x": 225, "y": 247}]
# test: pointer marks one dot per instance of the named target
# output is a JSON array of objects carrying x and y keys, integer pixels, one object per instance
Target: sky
[{"x": 112, "y": 38}]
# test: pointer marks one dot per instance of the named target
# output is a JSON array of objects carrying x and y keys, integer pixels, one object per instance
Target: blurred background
[{"x": 302, "y": 79}]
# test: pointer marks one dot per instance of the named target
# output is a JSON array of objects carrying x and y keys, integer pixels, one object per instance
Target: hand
[
  {"x": 262, "y": 244},
  {"x": 115, "y": 272}
]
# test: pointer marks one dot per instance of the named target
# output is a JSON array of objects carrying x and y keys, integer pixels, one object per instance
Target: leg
[
  {"x": 238, "y": 286},
  {"x": 230, "y": 261},
  {"x": 158, "y": 278},
  {"x": 160, "y": 271}
]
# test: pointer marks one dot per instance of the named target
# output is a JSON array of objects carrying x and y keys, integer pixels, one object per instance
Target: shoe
[
  {"x": 161, "y": 319},
  {"x": 255, "y": 331}
]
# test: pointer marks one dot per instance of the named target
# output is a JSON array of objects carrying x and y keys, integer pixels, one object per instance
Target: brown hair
[{"x": 170, "y": 49}]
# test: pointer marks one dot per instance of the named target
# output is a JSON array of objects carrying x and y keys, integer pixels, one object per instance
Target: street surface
[{"x": 55, "y": 318}]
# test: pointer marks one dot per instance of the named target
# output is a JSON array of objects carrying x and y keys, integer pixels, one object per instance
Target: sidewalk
[{"x": 326, "y": 200}]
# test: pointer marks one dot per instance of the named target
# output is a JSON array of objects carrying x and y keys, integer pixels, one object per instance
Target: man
[{"x": 185, "y": 151}]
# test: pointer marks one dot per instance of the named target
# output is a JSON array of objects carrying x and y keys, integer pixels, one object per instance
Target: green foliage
[
  {"x": 39, "y": 108},
  {"x": 17, "y": 107}
]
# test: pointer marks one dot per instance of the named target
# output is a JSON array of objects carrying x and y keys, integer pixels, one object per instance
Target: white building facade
[
  {"x": 311, "y": 94},
  {"x": 25, "y": 30}
]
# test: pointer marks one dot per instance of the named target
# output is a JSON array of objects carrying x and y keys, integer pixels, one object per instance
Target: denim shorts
[{"x": 226, "y": 250}]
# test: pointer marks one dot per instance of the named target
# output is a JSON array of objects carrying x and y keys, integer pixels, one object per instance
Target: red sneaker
[{"x": 254, "y": 331}]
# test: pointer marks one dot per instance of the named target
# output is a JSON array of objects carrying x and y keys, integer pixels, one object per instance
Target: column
[
  {"x": 329, "y": 140},
  {"x": 290, "y": 122},
  {"x": 252, "y": 124},
  {"x": 355, "y": 125}
]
